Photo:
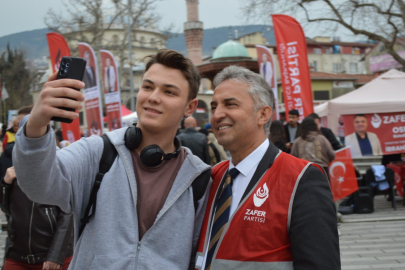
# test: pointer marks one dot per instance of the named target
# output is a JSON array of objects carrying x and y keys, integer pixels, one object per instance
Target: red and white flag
[
  {"x": 58, "y": 48},
  {"x": 342, "y": 175},
  {"x": 267, "y": 69},
  {"x": 92, "y": 97},
  {"x": 294, "y": 68}
]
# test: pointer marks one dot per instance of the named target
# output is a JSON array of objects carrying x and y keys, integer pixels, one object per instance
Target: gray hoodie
[{"x": 110, "y": 240}]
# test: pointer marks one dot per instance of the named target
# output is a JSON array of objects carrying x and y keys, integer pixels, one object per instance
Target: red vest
[{"x": 256, "y": 235}]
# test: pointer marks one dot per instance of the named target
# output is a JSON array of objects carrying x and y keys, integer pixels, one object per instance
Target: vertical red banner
[
  {"x": 267, "y": 68},
  {"x": 58, "y": 48},
  {"x": 112, "y": 93},
  {"x": 294, "y": 68},
  {"x": 343, "y": 180},
  {"x": 92, "y": 102}
]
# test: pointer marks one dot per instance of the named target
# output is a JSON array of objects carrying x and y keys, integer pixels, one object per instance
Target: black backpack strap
[
  {"x": 199, "y": 186},
  {"x": 106, "y": 161}
]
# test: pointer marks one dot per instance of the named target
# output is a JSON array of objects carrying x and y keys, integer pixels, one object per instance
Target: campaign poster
[
  {"x": 58, "y": 48},
  {"x": 267, "y": 69},
  {"x": 294, "y": 67},
  {"x": 92, "y": 102},
  {"x": 342, "y": 175},
  {"x": 112, "y": 93},
  {"x": 375, "y": 133}
]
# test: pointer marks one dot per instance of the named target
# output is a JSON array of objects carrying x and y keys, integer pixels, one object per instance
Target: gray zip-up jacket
[{"x": 110, "y": 240}]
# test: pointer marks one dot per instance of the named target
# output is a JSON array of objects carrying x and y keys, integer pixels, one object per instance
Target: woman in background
[
  {"x": 277, "y": 135},
  {"x": 313, "y": 146}
]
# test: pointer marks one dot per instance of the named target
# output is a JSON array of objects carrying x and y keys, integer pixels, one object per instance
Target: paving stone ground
[
  {"x": 367, "y": 241},
  {"x": 376, "y": 240}
]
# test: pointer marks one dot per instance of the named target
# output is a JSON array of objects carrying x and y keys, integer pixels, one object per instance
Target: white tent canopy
[
  {"x": 129, "y": 119},
  {"x": 384, "y": 94}
]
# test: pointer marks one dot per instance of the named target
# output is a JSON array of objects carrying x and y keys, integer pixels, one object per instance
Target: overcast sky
[{"x": 22, "y": 15}]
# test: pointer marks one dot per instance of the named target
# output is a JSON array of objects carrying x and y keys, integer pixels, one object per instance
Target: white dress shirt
[{"x": 247, "y": 167}]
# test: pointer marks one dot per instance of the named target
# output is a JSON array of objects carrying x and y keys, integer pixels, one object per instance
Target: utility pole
[{"x": 131, "y": 79}]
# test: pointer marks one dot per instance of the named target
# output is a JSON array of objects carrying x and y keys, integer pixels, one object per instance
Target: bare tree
[
  {"x": 88, "y": 20},
  {"x": 378, "y": 20}
]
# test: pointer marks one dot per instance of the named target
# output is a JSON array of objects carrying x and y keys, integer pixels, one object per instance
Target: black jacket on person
[
  {"x": 327, "y": 132},
  {"x": 6, "y": 160},
  {"x": 197, "y": 143},
  {"x": 287, "y": 132},
  {"x": 37, "y": 232}
]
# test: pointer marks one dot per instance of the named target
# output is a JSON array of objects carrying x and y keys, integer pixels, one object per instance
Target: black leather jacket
[{"x": 37, "y": 232}]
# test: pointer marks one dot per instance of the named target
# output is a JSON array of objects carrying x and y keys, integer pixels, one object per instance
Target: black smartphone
[{"x": 70, "y": 68}]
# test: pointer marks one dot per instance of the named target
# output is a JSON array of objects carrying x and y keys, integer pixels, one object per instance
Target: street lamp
[{"x": 131, "y": 79}]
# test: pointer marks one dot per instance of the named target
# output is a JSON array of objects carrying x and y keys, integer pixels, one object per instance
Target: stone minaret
[{"x": 193, "y": 33}]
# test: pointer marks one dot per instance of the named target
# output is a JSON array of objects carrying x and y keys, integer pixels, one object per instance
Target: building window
[
  {"x": 355, "y": 50},
  {"x": 321, "y": 95},
  {"x": 337, "y": 67},
  {"x": 142, "y": 41},
  {"x": 353, "y": 67},
  {"x": 329, "y": 50},
  {"x": 313, "y": 66},
  {"x": 115, "y": 39},
  {"x": 317, "y": 51}
]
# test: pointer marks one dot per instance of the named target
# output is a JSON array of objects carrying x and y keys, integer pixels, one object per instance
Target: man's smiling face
[
  {"x": 233, "y": 116},
  {"x": 162, "y": 100}
]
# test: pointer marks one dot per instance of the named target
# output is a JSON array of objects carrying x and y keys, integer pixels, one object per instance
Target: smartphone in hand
[{"x": 70, "y": 68}]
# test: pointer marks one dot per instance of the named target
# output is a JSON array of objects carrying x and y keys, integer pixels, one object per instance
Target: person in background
[
  {"x": 40, "y": 236},
  {"x": 9, "y": 139},
  {"x": 277, "y": 135},
  {"x": 195, "y": 141},
  {"x": 291, "y": 128},
  {"x": 10, "y": 134},
  {"x": 313, "y": 146},
  {"x": 3, "y": 131},
  {"x": 213, "y": 139},
  {"x": 214, "y": 153},
  {"x": 327, "y": 132}
]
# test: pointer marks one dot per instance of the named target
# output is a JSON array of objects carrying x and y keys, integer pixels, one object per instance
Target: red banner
[
  {"x": 385, "y": 133},
  {"x": 58, "y": 48},
  {"x": 267, "y": 68},
  {"x": 112, "y": 93},
  {"x": 92, "y": 102},
  {"x": 294, "y": 68},
  {"x": 342, "y": 175}
]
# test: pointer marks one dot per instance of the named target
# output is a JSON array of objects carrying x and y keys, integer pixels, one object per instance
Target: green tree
[{"x": 16, "y": 78}]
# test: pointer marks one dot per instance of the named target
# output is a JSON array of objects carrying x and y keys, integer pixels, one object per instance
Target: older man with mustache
[{"x": 266, "y": 209}]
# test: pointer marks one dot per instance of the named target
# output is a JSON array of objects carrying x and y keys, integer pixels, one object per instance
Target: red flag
[
  {"x": 342, "y": 175},
  {"x": 399, "y": 177},
  {"x": 294, "y": 68},
  {"x": 58, "y": 48},
  {"x": 91, "y": 91},
  {"x": 112, "y": 93},
  {"x": 267, "y": 68}
]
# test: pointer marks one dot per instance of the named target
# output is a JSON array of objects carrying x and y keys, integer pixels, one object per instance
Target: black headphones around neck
[{"x": 152, "y": 155}]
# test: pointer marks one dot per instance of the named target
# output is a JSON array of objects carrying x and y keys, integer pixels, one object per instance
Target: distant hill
[
  {"x": 32, "y": 42},
  {"x": 35, "y": 45}
]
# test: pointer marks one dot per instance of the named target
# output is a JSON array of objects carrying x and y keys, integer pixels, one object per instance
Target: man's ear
[
  {"x": 265, "y": 114},
  {"x": 191, "y": 107}
]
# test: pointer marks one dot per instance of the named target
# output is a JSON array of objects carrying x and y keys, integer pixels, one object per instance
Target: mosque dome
[{"x": 230, "y": 50}]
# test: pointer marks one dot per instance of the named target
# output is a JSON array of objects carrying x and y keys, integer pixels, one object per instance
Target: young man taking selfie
[{"x": 145, "y": 216}]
